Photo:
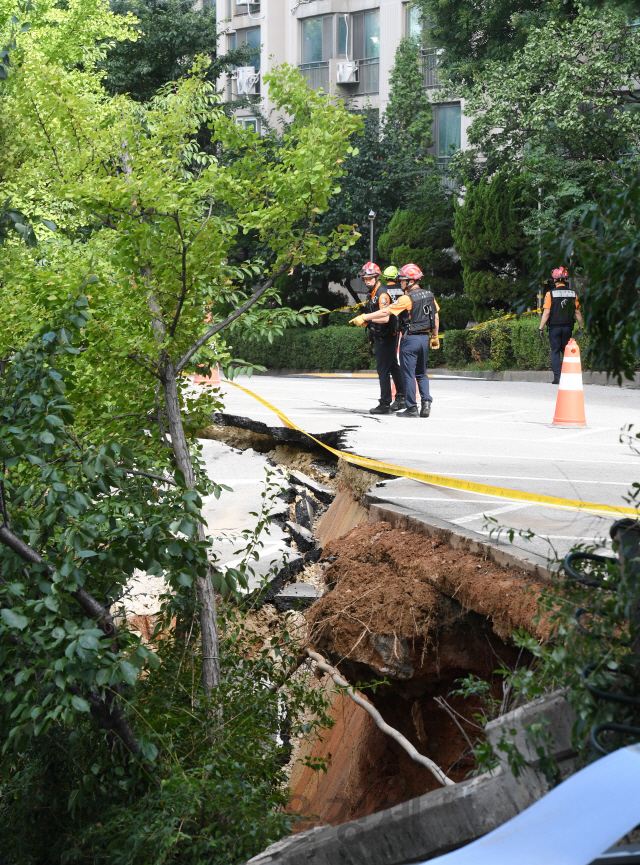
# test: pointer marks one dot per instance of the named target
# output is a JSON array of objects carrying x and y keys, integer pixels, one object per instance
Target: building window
[
  {"x": 317, "y": 39},
  {"x": 253, "y": 42},
  {"x": 448, "y": 130},
  {"x": 414, "y": 23},
  {"x": 250, "y": 123},
  {"x": 343, "y": 36},
  {"x": 372, "y": 34}
]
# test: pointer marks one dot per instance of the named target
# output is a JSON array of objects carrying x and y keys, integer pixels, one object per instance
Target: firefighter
[
  {"x": 561, "y": 307},
  {"x": 417, "y": 313},
  {"x": 383, "y": 335}
]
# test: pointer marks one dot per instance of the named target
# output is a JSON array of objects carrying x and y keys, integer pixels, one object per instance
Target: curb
[
  {"x": 537, "y": 376},
  {"x": 500, "y": 552}
]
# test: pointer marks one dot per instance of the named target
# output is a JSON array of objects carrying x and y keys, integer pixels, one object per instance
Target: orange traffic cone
[
  {"x": 570, "y": 402},
  {"x": 213, "y": 379}
]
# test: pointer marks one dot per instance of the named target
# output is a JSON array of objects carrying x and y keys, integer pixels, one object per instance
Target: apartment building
[{"x": 346, "y": 47}]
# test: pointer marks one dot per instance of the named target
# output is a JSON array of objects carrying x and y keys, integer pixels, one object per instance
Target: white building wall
[{"x": 281, "y": 35}]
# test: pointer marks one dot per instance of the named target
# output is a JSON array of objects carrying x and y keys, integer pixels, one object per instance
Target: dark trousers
[
  {"x": 388, "y": 368},
  {"x": 559, "y": 336},
  {"x": 414, "y": 348}
]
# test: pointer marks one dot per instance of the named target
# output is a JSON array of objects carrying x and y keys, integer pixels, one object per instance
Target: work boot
[
  {"x": 555, "y": 381},
  {"x": 425, "y": 411},
  {"x": 381, "y": 408},
  {"x": 398, "y": 404},
  {"x": 409, "y": 412}
]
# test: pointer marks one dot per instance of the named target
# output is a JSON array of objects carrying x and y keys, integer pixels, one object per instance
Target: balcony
[
  {"x": 430, "y": 63},
  {"x": 316, "y": 75},
  {"x": 251, "y": 9},
  {"x": 368, "y": 76}
]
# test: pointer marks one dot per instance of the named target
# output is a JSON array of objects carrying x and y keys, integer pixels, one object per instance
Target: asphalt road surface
[{"x": 496, "y": 433}]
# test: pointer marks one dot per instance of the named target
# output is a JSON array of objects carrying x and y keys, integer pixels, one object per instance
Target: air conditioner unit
[
  {"x": 247, "y": 79},
  {"x": 347, "y": 72}
]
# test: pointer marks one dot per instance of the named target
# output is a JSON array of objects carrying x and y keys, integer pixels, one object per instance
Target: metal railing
[
  {"x": 368, "y": 76},
  {"x": 246, "y": 8},
  {"x": 430, "y": 63},
  {"x": 316, "y": 74}
]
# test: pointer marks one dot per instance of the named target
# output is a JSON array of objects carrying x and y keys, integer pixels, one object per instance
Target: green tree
[
  {"x": 170, "y": 35},
  {"x": 490, "y": 241},
  {"x": 424, "y": 236},
  {"x": 603, "y": 249},
  {"x": 164, "y": 218},
  {"x": 390, "y": 161},
  {"x": 565, "y": 120}
]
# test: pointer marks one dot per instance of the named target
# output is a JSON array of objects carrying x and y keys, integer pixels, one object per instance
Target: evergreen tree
[
  {"x": 409, "y": 114},
  {"x": 171, "y": 34},
  {"x": 490, "y": 241},
  {"x": 423, "y": 235}
]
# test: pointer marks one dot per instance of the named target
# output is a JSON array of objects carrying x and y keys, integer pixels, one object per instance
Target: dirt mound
[{"x": 395, "y": 587}]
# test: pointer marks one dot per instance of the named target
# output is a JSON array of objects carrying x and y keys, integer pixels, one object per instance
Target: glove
[
  {"x": 579, "y": 332},
  {"x": 434, "y": 342},
  {"x": 540, "y": 334},
  {"x": 359, "y": 321}
]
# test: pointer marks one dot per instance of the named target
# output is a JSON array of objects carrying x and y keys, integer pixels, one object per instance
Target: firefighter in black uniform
[
  {"x": 417, "y": 311},
  {"x": 561, "y": 307},
  {"x": 385, "y": 340}
]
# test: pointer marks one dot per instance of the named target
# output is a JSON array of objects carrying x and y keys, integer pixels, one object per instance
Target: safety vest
[
  {"x": 394, "y": 291},
  {"x": 377, "y": 329},
  {"x": 421, "y": 318},
  {"x": 563, "y": 306}
]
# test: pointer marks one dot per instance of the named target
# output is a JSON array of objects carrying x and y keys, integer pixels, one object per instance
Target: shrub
[
  {"x": 491, "y": 342},
  {"x": 305, "y": 348},
  {"x": 455, "y": 311},
  {"x": 529, "y": 351},
  {"x": 457, "y": 353}
]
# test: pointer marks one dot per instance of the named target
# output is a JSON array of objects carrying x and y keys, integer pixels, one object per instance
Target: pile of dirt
[{"x": 398, "y": 598}]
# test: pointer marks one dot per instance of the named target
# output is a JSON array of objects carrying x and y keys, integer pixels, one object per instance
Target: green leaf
[
  {"x": 129, "y": 672},
  {"x": 80, "y": 704},
  {"x": 14, "y": 620},
  {"x": 87, "y": 641},
  {"x": 87, "y": 554}
]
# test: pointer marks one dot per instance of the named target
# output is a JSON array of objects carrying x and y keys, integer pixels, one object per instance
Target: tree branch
[
  {"x": 88, "y": 603},
  {"x": 435, "y": 770},
  {"x": 152, "y": 476},
  {"x": 108, "y": 714},
  {"x": 186, "y": 357}
]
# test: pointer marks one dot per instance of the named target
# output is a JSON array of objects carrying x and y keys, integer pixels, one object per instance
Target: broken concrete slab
[
  {"x": 419, "y": 829},
  {"x": 304, "y": 539},
  {"x": 305, "y": 510},
  {"x": 295, "y": 596},
  {"x": 284, "y": 435},
  {"x": 324, "y": 494}
]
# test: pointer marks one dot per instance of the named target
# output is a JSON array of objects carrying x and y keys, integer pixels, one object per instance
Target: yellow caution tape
[{"x": 450, "y": 483}]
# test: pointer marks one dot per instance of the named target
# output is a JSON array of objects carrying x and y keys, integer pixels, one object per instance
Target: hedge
[
  {"x": 499, "y": 344},
  {"x": 502, "y": 344},
  {"x": 326, "y": 348},
  {"x": 308, "y": 348}
]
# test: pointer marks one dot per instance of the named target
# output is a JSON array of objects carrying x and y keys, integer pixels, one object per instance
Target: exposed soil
[{"x": 419, "y": 615}]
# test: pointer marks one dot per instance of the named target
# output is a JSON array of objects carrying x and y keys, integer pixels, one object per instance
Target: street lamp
[{"x": 372, "y": 216}]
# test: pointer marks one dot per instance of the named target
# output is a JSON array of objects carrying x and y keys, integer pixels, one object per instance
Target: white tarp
[{"x": 572, "y": 825}]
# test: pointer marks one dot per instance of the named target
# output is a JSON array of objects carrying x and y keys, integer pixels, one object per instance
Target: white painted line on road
[
  {"x": 522, "y": 456},
  {"x": 503, "y": 510},
  {"x": 550, "y": 480},
  {"x": 451, "y": 501}
]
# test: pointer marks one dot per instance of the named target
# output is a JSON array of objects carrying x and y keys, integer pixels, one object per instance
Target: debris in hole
[
  {"x": 296, "y": 596},
  {"x": 305, "y": 511},
  {"x": 324, "y": 494},
  {"x": 303, "y": 537}
]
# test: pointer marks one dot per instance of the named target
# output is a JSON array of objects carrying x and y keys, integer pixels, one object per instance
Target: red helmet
[
  {"x": 560, "y": 273},
  {"x": 370, "y": 269},
  {"x": 410, "y": 271}
]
